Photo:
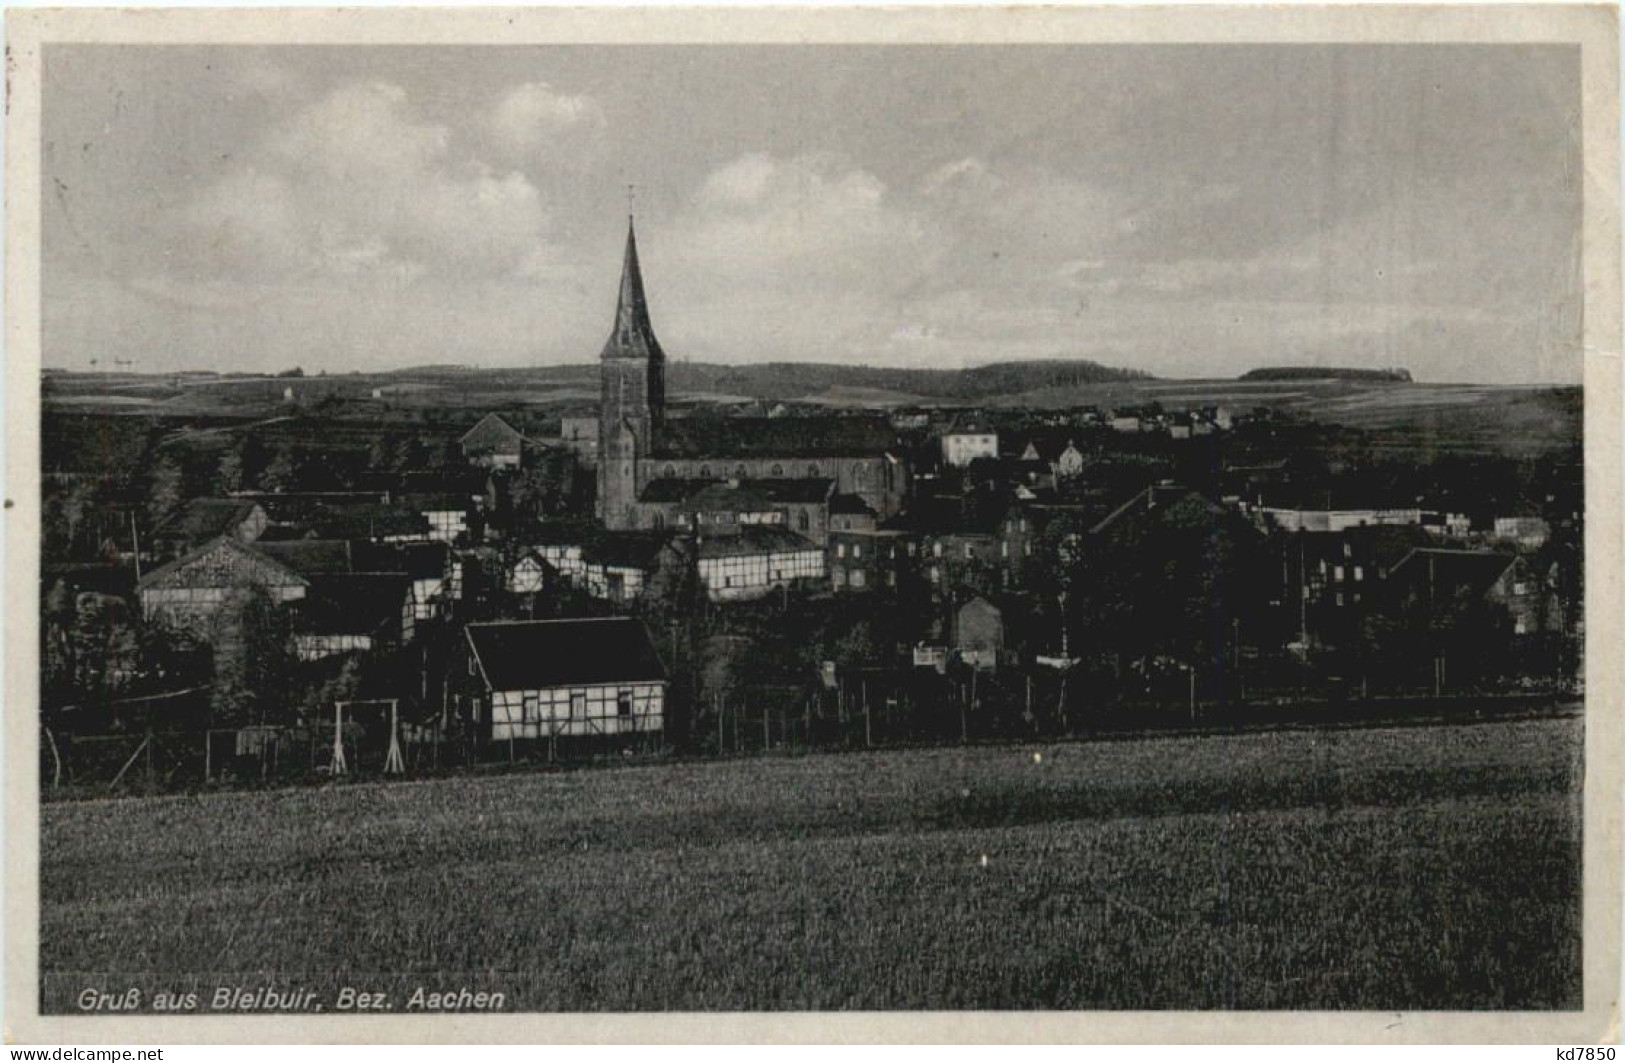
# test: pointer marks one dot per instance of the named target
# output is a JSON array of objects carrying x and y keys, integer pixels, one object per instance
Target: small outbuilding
[{"x": 978, "y": 633}]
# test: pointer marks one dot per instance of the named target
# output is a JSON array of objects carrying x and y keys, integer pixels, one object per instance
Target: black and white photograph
[{"x": 544, "y": 525}]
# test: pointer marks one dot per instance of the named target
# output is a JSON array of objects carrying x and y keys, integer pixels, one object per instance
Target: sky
[{"x": 1185, "y": 210}]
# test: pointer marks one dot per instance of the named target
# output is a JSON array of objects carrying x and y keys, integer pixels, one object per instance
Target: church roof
[
  {"x": 738, "y": 495},
  {"x": 791, "y": 438},
  {"x": 633, "y": 335}
]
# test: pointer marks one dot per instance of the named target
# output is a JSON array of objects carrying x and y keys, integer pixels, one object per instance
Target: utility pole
[
  {"x": 1303, "y": 595},
  {"x": 1064, "y": 653},
  {"x": 339, "y": 767},
  {"x": 964, "y": 730},
  {"x": 868, "y": 734},
  {"x": 135, "y": 540}
]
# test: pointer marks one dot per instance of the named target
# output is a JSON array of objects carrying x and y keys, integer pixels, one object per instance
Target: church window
[
  {"x": 812, "y": 471},
  {"x": 705, "y": 472},
  {"x": 801, "y": 520},
  {"x": 778, "y": 470},
  {"x": 739, "y": 471},
  {"x": 671, "y": 471}
]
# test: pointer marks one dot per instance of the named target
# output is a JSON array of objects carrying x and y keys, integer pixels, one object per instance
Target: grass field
[{"x": 1401, "y": 868}]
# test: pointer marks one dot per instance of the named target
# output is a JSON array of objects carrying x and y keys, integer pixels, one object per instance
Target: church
[{"x": 658, "y": 472}]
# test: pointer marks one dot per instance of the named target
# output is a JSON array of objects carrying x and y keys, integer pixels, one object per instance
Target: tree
[
  {"x": 279, "y": 472},
  {"x": 103, "y": 645},
  {"x": 58, "y": 611},
  {"x": 255, "y": 665},
  {"x": 164, "y": 488},
  {"x": 229, "y": 472}
]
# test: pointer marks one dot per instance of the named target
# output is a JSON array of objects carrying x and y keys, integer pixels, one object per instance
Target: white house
[{"x": 963, "y": 447}]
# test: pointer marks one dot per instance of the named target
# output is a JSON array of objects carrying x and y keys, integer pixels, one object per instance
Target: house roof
[
  {"x": 435, "y": 502},
  {"x": 270, "y": 501},
  {"x": 352, "y": 604},
  {"x": 848, "y": 505},
  {"x": 225, "y": 543},
  {"x": 754, "y": 539},
  {"x": 1154, "y": 497},
  {"x": 204, "y": 518},
  {"x": 346, "y": 518},
  {"x": 790, "y": 438},
  {"x": 1450, "y": 571},
  {"x": 310, "y": 557},
  {"x": 979, "y": 604},
  {"x": 632, "y": 549},
  {"x": 492, "y": 430},
  {"x": 538, "y": 654},
  {"x": 446, "y": 479},
  {"x": 949, "y": 515},
  {"x": 424, "y": 560},
  {"x": 567, "y": 532},
  {"x": 1382, "y": 544}
]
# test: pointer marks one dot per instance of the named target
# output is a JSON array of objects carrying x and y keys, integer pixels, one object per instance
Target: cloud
[
  {"x": 762, "y": 220},
  {"x": 534, "y": 115},
  {"x": 934, "y": 266},
  {"x": 355, "y": 183}
]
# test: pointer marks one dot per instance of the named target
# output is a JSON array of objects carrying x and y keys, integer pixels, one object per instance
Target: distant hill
[
  {"x": 1311, "y": 372},
  {"x": 791, "y": 380}
]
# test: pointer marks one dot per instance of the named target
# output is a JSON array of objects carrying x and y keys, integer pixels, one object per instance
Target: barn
[{"x": 577, "y": 679}]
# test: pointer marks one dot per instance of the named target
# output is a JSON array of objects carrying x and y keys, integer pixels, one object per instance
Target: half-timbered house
[{"x": 579, "y": 679}]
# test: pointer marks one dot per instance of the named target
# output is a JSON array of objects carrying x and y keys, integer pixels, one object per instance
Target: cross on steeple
[{"x": 631, "y": 199}]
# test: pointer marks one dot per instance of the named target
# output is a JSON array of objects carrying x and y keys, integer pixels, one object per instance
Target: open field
[{"x": 1384, "y": 868}]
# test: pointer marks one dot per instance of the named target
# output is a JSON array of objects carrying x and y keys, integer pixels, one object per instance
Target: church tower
[{"x": 632, "y": 369}]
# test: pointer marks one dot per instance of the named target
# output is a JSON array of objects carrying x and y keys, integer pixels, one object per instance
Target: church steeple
[
  {"x": 633, "y": 335},
  {"x": 632, "y": 371}
]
